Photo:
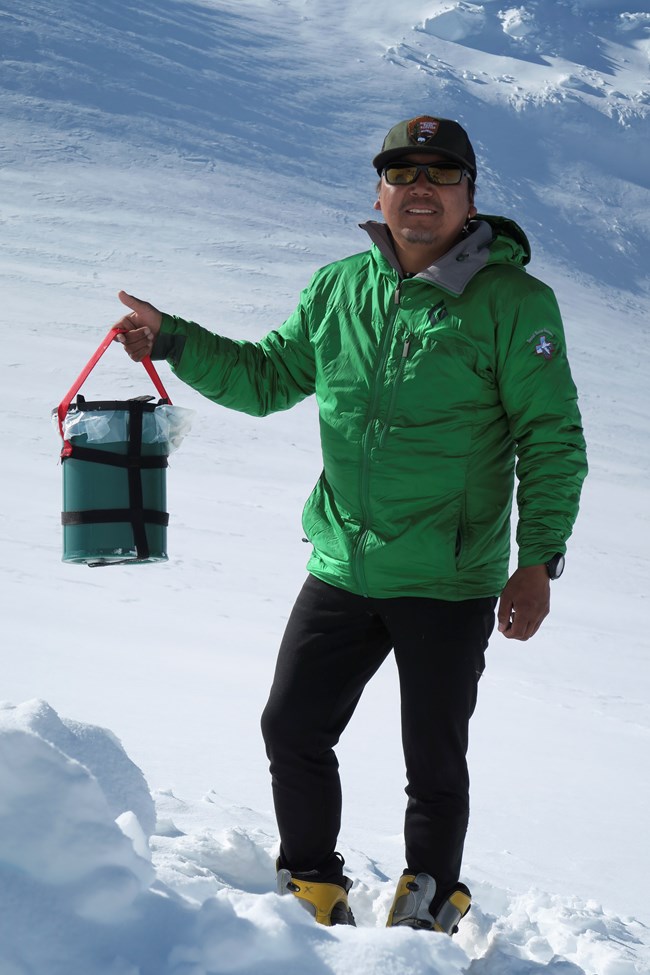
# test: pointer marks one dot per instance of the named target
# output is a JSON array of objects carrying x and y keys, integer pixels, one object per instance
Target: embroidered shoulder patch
[
  {"x": 542, "y": 342},
  {"x": 545, "y": 347}
]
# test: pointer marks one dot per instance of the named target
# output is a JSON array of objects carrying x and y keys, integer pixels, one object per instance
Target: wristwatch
[{"x": 555, "y": 566}]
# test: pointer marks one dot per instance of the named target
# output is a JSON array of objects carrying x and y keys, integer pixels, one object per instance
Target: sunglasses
[{"x": 441, "y": 173}]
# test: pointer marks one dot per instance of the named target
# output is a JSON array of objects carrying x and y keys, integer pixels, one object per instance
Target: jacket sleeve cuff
[
  {"x": 539, "y": 556},
  {"x": 169, "y": 342}
]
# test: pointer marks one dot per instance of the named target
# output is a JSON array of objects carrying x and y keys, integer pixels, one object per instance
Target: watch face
[{"x": 555, "y": 566}]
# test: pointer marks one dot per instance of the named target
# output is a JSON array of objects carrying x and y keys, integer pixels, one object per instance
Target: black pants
[{"x": 333, "y": 644}]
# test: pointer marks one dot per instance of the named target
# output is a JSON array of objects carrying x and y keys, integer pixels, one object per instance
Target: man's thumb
[
  {"x": 133, "y": 303},
  {"x": 503, "y": 614}
]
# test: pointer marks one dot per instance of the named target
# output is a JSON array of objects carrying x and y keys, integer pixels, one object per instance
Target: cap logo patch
[{"x": 421, "y": 129}]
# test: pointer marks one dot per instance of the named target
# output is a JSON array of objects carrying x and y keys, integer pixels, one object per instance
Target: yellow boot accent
[
  {"x": 452, "y": 910},
  {"x": 320, "y": 899}
]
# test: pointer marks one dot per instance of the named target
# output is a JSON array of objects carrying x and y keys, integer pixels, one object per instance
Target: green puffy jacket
[{"x": 428, "y": 388}]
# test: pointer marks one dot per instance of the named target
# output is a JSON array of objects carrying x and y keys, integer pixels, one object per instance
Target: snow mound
[
  {"x": 517, "y": 22},
  {"x": 456, "y": 22},
  {"x": 121, "y": 781},
  {"x": 78, "y": 893}
]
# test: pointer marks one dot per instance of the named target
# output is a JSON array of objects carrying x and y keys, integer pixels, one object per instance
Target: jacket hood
[{"x": 489, "y": 240}]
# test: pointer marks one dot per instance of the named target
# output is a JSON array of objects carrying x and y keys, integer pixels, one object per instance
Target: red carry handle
[{"x": 83, "y": 376}]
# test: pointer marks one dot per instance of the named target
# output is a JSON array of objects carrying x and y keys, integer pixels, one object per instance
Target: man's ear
[
  {"x": 472, "y": 212},
  {"x": 376, "y": 205}
]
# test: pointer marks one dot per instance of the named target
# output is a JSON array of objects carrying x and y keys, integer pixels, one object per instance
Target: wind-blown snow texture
[{"x": 209, "y": 156}]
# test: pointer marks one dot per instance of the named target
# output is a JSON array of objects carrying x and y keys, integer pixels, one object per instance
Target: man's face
[{"x": 424, "y": 214}]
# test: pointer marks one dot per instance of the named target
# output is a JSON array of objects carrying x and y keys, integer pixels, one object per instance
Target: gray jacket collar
[{"x": 455, "y": 269}]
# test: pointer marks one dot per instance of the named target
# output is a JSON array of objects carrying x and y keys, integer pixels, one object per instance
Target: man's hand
[
  {"x": 524, "y": 603},
  {"x": 141, "y": 327}
]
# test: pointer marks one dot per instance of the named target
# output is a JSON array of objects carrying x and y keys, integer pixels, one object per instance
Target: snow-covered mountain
[{"x": 209, "y": 156}]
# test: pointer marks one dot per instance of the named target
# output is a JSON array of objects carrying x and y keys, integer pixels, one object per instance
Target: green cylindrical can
[{"x": 114, "y": 484}]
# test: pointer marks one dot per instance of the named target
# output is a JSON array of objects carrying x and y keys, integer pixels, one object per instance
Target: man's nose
[{"x": 422, "y": 183}]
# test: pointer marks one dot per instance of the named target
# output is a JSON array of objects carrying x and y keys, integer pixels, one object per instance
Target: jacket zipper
[
  {"x": 461, "y": 532},
  {"x": 366, "y": 445},
  {"x": 396, "y": 385}
]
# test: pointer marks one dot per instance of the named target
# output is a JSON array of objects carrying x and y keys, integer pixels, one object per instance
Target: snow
[
  {"x": 456, "y": 22},
  {"x": 208, "y": 156}
]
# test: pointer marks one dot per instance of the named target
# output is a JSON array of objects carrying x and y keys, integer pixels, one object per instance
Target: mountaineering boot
[
  {"x": 454, "y": 907},
  {"x": 412, "y": 903},
  {"x": 327, "y": 903}
]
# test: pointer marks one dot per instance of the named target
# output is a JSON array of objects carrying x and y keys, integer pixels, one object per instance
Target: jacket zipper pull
[
  {"x": 397, "y": 295},
  {"x": 407, "y": 346}
]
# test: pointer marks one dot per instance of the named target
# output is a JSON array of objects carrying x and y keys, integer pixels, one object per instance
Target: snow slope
[
  {"x": 79, "y": 893},
  {"x": 208, "y": 156}
]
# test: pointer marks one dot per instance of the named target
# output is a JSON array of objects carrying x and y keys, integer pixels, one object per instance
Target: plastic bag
[{"x": 166, "y": 424}]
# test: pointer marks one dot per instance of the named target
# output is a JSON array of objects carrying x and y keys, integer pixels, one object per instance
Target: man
[{"x": 437, "y": 363}]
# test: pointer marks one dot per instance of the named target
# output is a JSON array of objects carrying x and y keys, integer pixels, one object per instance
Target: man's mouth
[{"x": 424, "y": 211}]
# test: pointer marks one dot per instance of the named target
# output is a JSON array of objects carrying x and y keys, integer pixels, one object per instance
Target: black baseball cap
[{"x": 425, "y": 133}]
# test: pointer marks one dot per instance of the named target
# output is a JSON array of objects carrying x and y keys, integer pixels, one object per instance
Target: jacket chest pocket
[{"x": 440, "y": 376}]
